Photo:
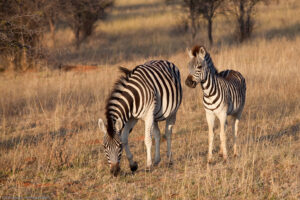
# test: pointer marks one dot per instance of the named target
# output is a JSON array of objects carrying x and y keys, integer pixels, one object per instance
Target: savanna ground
[{"x": 50, "y": 145}]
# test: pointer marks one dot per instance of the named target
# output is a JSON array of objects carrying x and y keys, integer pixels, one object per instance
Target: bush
[{"x": 21, "y": 28}]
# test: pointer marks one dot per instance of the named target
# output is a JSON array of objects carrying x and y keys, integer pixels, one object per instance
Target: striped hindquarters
[
  {"x": 237, "y": 90},
  {"x": 155, "y": 82},
  {"x": 165, "y": 78}
]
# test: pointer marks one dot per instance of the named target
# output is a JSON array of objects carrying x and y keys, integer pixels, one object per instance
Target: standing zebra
[
  {"x": 224, "y": 94},
  {"x": 151, "y": 92}
]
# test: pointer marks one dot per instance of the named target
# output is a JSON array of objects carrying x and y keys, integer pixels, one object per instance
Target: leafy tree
[
  {"x": 81, "y": 16},
  {"x": 52, "y": 11},
  {"x": 21, "y": 27},
  {"x": 206, "y": 9},
  {"x": 243, "y": 10}
]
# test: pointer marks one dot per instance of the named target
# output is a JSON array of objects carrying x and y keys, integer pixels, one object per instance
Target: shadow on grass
[
  {"x": 140, "y": 10},
  {"x": 293, "y": 130},
  {"x": 140, "y": 6},
  {"x": 29, "y": 140},
  {"x": 289, "y": 32},
  {"x": 114, "y": 48},
  {"x": 160, "y": 41}
]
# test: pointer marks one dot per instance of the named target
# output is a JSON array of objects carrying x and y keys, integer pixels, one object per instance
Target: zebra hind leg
[
  {"x": 225, "y": 129},
  {"x": 235, "y": 131},
  {"x": 222, "y": 119},
  {"x": 168, "y": 132},
  {"x": 157, "y": 143}
]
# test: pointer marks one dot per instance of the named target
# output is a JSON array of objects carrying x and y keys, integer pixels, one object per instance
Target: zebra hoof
[
  {"x": 156, "y": 162},
  {"x": 220, "y": 153},
  {"x": 148, "y": 169},
  {"x": 134, "y": 167},
  {"x": 170, "y": 163}
]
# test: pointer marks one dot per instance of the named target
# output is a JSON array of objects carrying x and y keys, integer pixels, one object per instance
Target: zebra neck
[
  {"x": 210, "y": 64},
  {"x": 112, "y": 123},
  {"x": 209, "y": 85},
  {"x": 121, "y": 103}
]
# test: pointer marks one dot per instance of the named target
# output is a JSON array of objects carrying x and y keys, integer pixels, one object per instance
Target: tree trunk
[
  {"x": 23, "y": 54},
  {"x": 241, "y": 22},
  {"x": 194, "y": 29},
  {"x": 209, "y": 30},
  {"x": 52, "y": 30},
  {"x": 248, "y": 27},
  {"x": 11, "y": 65},
  {"x": 77, "y": 37},
  {"x": 24, "y": 62}
]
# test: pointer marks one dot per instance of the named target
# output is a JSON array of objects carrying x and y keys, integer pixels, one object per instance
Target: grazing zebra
[
  {"x": 224, "y": 94},
  {"x": 151, "y": 92}
]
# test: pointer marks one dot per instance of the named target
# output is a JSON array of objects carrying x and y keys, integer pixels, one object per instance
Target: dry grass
[{"x": 50, "y": 145}]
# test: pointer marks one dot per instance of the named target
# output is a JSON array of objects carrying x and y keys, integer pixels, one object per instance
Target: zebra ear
[
  {"x": 190, "y": 53},
  {"x": 202, "y": 53},
  {"x": 102, "y": 126}
]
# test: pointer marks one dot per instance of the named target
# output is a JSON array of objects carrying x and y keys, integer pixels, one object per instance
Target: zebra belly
[
  {"x": 163, "y": 112},
  {"x": 159, "y": 111},
  {"x": 222, "y": 108},
  {"x": 166, "y": 104}
]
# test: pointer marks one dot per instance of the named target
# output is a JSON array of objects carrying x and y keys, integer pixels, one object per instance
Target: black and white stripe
[
  {"x": 224, "y": 93},
  {"x": 151, "y": 92},
  {"x": 112, "y": 145},
  {"x": 154, "y": 81},
  {"x": 227, "y": 87}
]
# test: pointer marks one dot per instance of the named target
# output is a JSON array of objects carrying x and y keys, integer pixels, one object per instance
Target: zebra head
[
  {"x": 197, "y": 66},
  {"x": 112, "y": 143}
]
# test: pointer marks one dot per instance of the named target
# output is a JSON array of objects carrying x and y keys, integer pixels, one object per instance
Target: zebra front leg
[
  {"x": 235, "y": 130},
  {"x": 157, "y": 143},
  {"x": 169, "y": 126},
  {"x": 210, "y": 117},
  {"x": 222, "y": 119},
  {"x": 127, "y": 129},
  {"x": 221, "y": 149}
]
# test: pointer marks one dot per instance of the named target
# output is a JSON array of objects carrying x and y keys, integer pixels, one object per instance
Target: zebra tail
[{"x": 125, "y": 70}]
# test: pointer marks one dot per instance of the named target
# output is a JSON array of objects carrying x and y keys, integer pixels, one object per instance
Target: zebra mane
[
  {"x": 214, "y": 69},
  {"x": 119, "y": 84}
]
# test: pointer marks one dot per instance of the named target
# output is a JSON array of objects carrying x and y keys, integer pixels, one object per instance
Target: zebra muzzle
[
  {"x": 115, "y": 169},
  {"x": 190, "y": 82}
]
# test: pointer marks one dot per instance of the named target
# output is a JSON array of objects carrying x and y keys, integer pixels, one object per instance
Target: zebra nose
[
  {"x": 189, "y": 82},
  {"x": 115, "y": 169}
]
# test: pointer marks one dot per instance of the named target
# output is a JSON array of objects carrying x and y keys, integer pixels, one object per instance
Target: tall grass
[{"x": 50, "y": 145}]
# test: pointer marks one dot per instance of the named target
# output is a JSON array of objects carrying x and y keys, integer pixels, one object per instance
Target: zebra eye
[{"x": 199, "y": 66}]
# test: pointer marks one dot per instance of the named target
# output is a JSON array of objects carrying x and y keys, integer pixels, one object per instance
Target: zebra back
[
  {"x": 155, "y": 82},
  {"x": 233, "y": 76}
]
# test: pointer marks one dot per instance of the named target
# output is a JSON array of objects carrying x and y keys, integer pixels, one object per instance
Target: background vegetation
[{"x": 50, "y": 145}]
